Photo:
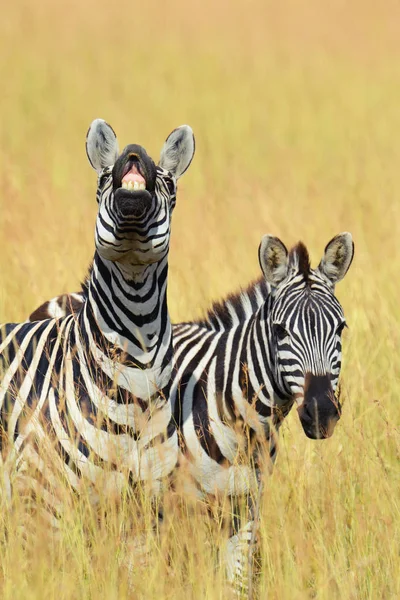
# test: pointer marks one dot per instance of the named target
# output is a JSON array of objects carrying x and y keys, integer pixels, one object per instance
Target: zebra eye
[
  {"x": 341, "y": 327},
  {"x": 170, "y": 186},
  {"x": 280, "y": 332},
  {"x": 103, "y": 178}
]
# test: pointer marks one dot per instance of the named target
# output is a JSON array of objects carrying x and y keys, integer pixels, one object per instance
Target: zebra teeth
[{"x": 133, "y": 186}]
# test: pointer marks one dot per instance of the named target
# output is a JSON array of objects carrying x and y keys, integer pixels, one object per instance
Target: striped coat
[
  {"x": 88, "y": 393},
  {"x": 238, "y": 373}
]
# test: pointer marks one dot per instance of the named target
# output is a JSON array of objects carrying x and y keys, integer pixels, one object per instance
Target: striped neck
[
  {"x": 250, "y": 389},
  {"x": 259, "y": 379},
  {"x": 129, "y": 315}
]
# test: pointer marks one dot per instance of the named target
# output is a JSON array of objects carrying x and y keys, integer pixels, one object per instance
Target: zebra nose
[
  {"x": 136, "y": 207},
  {"x": 319, "y": 411}
]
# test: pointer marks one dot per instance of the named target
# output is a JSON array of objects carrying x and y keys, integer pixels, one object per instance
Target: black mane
[
  {"x": 85, "y": 282},
  {"x": 299, "y": 254},
  {"x": 244, "y": 303}
]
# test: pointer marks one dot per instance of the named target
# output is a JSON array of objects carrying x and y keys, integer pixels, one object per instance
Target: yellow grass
[{"x": 295, "y": 108}]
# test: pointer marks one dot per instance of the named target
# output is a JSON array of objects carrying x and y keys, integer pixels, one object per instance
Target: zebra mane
[
  {"x": 237, "y": 307},
  {"x": 300, "y": 259},
  {"x": 85, "y": 282}
]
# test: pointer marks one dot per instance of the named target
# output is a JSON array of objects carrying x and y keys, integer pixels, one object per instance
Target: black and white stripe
[
  {"x": 238, "y": 373},
  {"x": 92, "y": 388}
]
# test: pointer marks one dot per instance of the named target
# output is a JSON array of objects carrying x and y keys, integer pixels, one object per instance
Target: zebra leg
[
  {"x": 236, "y": 557},
  {"x": 137, "y": 547},
  {"x": 240, "y": 547}
]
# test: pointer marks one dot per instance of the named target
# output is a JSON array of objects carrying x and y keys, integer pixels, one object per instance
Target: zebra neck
[
  {"x": 254, "y": 374},
  {"x": 129, "y": 316}
]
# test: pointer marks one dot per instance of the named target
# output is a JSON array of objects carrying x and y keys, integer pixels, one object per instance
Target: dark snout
[
  {"x": 129, "y": 206},
  {"x": 320, "y": 409},
  {"x": 134, "y": 168}
]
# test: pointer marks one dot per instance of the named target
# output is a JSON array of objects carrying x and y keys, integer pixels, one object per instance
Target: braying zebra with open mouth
[
  {"x": 238, "y": 373},
  {"x": 92, "y": 389}
]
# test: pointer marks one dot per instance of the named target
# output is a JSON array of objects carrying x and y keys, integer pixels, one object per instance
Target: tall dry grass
[{"x": 295, "y": 107}]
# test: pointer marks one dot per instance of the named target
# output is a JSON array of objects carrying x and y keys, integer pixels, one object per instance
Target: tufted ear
[
  {"x": 101, "y": 145},
  {"x": 274, "y": 259},
  {"x": 178, "y": 151},
  {"x": 337, "y": 257}
]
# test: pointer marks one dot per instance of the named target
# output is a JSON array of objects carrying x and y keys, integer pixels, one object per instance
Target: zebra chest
[
  {"x": 217, "y": 445},
  {"x": 95, "y": 431},
  {"x": 140, "y": 378},
  {"x": 225, "y": 433},
  {"x": 95, "y": 443},
  {"x": 116, "y": 429}
]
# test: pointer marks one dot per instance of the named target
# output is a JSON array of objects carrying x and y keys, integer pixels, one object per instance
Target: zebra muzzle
[
  {"x": 320, "y": 410},
  {"x": 135, "y": 204},
  {"x": 134, "y": 176}
]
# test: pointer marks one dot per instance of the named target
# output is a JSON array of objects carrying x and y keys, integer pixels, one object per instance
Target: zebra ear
[
  {"x": 101, "y": 145},
  {"x": 337, "y": 257},
  {"x": 178, "y": 151},
  {"x": 274, "y": 259}
]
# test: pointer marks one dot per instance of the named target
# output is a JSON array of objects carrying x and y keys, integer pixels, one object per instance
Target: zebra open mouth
[
  {"x": 134, "y": 171},
  {"x": 134, "y": 177}
]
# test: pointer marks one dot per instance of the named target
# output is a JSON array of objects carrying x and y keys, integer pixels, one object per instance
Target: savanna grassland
[{"x": 296, "y": 112}]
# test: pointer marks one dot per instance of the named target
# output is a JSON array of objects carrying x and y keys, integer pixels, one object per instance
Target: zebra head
[
  {"x": 306, "y": 321},
  {"x": 136, "y": 198}
]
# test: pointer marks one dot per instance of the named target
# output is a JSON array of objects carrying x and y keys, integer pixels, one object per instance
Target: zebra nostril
[
  {"x": 308, "y": 408},
  {"x": 308, "y": 413}
]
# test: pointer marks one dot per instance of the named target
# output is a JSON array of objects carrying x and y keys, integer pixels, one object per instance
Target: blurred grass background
[{"x": 295, "y": 108}]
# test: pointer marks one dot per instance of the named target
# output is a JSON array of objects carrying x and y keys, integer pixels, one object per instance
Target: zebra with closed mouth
[
  {"x": 238, "y": 373},
  {"x": 93, "y": 388}
]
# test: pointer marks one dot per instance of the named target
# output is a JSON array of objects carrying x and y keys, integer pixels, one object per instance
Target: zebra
[
  {"x": 94, "y": 386},
  {"x": 239, "y": 371}
]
